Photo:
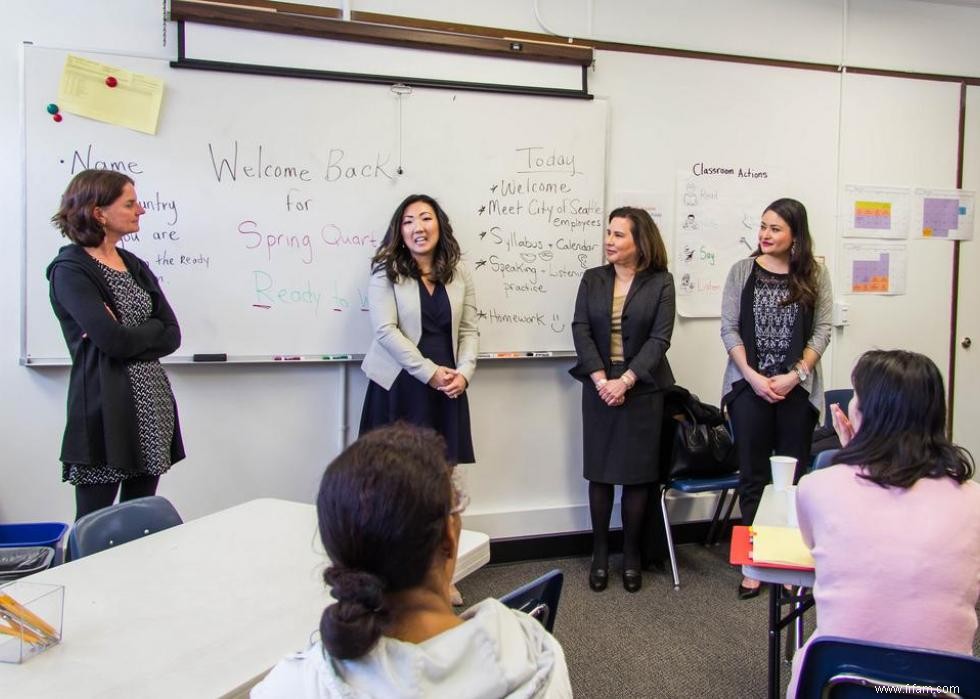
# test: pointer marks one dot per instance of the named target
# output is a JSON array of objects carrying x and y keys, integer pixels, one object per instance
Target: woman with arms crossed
[
  {"x": 624, "y": 317},
  {"x": 894, "y": 523},
  {"x": 122, "y": 425},
  {"x": 775, "y": 324}
]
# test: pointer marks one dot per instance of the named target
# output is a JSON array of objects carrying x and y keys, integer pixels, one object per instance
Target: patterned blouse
[
  {"x": 773, "y": 321},
  {"x": 153, "y": 399}
]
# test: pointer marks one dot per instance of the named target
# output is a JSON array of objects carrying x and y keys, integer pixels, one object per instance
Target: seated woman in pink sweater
[{"x": 894, "y": 523}]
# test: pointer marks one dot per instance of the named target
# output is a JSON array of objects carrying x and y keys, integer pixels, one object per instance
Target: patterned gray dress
[{"x": 153, "y": 399}]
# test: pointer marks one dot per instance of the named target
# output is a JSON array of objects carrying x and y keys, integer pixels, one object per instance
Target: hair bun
[{"x": 347, "y": 585}]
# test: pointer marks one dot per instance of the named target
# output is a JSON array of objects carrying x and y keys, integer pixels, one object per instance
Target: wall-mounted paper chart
[
  {"x": 869, "y": 211},
  {"x": 875, "y": 268},
  {"x": 716, "y": 223},
  {"x": 945, "y": 214}
]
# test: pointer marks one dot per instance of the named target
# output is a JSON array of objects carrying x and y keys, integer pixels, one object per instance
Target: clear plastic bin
[{"x": 30, "y": 619}]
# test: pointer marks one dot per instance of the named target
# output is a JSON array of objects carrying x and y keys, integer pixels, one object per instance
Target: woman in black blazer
[{"x": 624, "y": 317}]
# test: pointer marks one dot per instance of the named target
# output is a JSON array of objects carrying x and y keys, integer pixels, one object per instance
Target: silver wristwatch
[{"x": 801, "y": 372}]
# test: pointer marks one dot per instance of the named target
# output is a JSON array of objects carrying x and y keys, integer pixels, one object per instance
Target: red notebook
[{"x": 741, "y": 552}]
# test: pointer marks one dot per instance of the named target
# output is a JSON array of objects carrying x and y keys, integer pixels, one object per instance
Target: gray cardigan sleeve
[
  {"x": 731, "y": 301},
  {"x": 823, "y": 313}
]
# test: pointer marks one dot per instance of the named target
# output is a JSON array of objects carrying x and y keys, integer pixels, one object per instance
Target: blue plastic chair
[
  {"x": 841, "y": 668},
  {"x": 538, "y": 598},
  {"x": 724, "y": 486},
  {"x": 823, "y": 459},
  {"x": 117, "y": 524}
]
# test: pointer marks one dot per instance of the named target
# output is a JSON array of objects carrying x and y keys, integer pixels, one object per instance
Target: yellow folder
[{"x": 780, "y": 545}]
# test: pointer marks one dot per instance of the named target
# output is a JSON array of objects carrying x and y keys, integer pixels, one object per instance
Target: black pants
[
  {"x": 763, "y": 429},
  {"x": 89, "y": 498}
]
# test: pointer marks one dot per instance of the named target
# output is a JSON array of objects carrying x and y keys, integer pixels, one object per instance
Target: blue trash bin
[{"x": 28, "y": 534}]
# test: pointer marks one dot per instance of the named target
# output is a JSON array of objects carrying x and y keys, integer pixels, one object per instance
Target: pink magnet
[
  {"x": 56, "y": 117},
  {"x": 111, "y": 81}
]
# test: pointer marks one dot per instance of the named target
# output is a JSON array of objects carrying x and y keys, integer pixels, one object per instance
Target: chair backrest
[
  {"x": 841, "y": 396},
  {"x": 841, "y": 668},
  {"x": 117, "y": 524},
  {"x": 823, "y": 458},
  {"x": 538, "y": 598}
]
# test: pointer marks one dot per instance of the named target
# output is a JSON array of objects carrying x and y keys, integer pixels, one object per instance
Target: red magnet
[
  {"x": 56, "y": 117},
  {"x": 111, "y": 81}
]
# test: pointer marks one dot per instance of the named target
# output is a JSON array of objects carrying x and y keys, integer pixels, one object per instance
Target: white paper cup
[
  {"x": 783, "y": 468},
  {"x": 791, "y": 518}
]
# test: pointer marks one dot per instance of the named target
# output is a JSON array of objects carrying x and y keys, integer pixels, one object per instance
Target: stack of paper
[{"x": 780, "y": 545}]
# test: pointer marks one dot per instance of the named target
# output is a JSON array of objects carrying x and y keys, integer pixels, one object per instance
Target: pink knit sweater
[{"x": 897, "y": 566}]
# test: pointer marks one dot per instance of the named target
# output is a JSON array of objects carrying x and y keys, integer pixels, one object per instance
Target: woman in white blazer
[{"x": 423, "y": 311}]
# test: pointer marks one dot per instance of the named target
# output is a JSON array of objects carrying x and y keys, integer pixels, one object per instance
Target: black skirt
[
  {"x": 621, "y": 444},
  {"x": 415, "y": 402}
]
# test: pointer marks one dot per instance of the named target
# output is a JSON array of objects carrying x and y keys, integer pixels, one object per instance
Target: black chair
[
  {"x": 117, "y": 524},
  {"x": 539, "y": 598},
  {"x": 841, "y": 668}
]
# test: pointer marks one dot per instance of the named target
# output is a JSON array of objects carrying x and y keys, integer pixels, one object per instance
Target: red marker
[
  {"x": 111, "y": 81},
  {"x": 57, "y": 117}
]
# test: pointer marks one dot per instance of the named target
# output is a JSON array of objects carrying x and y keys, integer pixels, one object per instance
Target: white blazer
[{"x": 396, "y": 316}]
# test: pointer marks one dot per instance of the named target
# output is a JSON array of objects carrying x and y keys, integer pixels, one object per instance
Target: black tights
[
  {"x": 633, "y": 504},
  {"x": 89, "y": 498}
]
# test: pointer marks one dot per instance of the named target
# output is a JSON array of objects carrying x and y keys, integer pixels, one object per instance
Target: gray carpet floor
[{"x": 698, "y": 641}]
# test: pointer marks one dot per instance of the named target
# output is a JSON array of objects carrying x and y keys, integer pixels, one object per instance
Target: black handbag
[{"x": 701, "y": 450}]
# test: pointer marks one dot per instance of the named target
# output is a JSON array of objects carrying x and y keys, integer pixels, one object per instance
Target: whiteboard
[{"x": 266, "y": 198}]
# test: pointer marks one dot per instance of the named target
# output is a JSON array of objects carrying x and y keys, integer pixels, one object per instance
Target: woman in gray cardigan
[{"x": 775, "y": 324}]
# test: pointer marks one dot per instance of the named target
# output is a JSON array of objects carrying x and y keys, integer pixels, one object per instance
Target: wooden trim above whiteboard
[
  {"x": 301, "y": 20},
  {"x": 417, "y": 24}
]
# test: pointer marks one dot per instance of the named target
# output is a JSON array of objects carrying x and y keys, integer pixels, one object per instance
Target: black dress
[{"x": 411, "y": 400}]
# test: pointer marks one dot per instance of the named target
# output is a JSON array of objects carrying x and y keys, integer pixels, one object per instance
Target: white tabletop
[
  {"x": 773, "y": 512},
  {"x": 192, "y": 611}
]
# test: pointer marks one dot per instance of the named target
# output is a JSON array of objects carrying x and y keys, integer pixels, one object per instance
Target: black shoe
[
  {"x": 598, "y": 579},
  {"x": 748, "y": 592},
  {"x": 632, "y": 580}
]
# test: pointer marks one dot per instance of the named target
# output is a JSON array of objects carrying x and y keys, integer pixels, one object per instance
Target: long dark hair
[
  {"x": 802, "y": 266},
  {"x": 650, "y": 249},
  {"x": 382, "y": 511},
  {"x": 395, "y": 259},
  {"x": 88, "y": 189},
  {"x": 902, "y": 435}
]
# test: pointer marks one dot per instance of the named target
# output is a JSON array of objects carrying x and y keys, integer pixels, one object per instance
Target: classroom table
[
  {"x": 199, "y": 610},
  {"x": 773, "y": 511}
]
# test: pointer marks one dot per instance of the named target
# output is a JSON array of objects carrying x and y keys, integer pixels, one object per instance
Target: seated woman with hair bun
[{"x": 389, "y": 518}]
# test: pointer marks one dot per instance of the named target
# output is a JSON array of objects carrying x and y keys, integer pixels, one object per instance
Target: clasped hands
[
  {"x": 612, "y": 391},
  {"x": 449, "y": 381},
  {"x": 775, "y": 388}
]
